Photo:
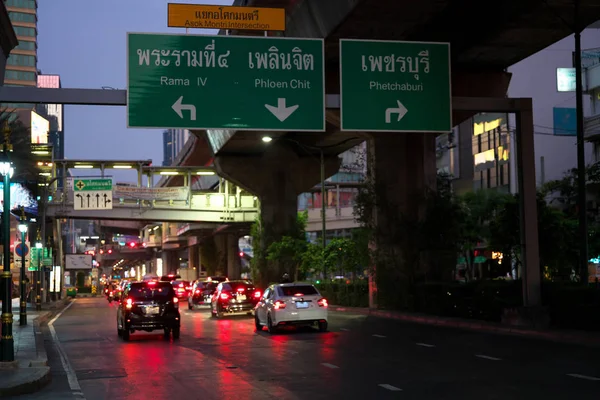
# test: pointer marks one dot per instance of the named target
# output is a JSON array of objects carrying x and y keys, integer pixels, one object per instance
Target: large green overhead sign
[
  {"x": 395, "y": 86},
  {"x": 225, "y": 82}
]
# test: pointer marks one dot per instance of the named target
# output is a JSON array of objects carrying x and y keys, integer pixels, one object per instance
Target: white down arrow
[{"x": 281, "y": 112}]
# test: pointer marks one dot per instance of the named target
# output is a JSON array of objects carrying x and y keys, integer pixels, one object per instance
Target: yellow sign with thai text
[{"x": 225, "y": 17}]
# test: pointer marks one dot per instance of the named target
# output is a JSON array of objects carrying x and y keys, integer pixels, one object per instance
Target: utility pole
[
  {"x": 581, "y": 178},
  {"x": 323, "y": 214}
]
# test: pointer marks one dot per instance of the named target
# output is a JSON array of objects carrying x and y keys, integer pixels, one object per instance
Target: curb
[
  {"x": 572, "y": 337},
  {"x": 36, "y": 382}
]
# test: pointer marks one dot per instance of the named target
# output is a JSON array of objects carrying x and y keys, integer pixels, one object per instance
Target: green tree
[
  {"x": 480, "y": 209},
  {"x": 288, "y": 252}
]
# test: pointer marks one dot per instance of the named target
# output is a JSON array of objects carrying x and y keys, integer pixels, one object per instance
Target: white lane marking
[
  {"x": 344, "y": 329},
  {"x": 379, "y": 336},
  {"x": 71, "y": 376},
  {"x": 329, "y": 365},
  {"x": 425, "y": 345},
  {"x": 488, "y": 357},
  {"x": 390, "y": 387},
  {"x": 589, "y": 378}
]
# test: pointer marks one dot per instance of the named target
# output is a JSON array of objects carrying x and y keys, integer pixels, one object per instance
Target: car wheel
[
  {"x": 257, "y": 324},
  {"x": 167, "y": 332},
  {"x": 323, "y": 326},
  {"x": 218, "y": 312},
  {"x": 176, "y": 332},
  {"x": 270, "y": 328},
  {"x": 119, "y": 331},
  {"x": 125, "y": 334}
]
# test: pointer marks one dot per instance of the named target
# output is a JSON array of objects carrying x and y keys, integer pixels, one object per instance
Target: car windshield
[
  {"x": 205, "y": 285},
  {"x": 297, "y": 290},
  {"x": 234, "y": 286},
  {"x": 157, "y": 291},
  {"x": 183, "y": 284}
]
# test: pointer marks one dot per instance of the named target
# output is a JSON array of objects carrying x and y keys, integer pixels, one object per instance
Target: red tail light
[
  {"x": 129, "y": 303},
  {"x": 257, "y": 294},
  {"x": 197, "y": 291},
  {"x": 322, "y": 303},
  {"x": 279, "y": 305},
  {"x": 151, "y": 283},
  {"x": 224, "y": 296},
  {"x": 240, "y": 289}
]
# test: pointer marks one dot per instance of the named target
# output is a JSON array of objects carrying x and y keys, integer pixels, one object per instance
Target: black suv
[{"x": 148, "y": 306}]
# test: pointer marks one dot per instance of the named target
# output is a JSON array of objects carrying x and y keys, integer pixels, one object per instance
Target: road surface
[{"x": 359, "y": 358}]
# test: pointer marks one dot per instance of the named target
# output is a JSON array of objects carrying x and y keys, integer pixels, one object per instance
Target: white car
[{"x": 291, "y": 304}]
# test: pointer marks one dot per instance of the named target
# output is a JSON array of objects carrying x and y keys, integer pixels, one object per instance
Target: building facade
[
  {"x": 21, "y": 66},
  {"x": 54, "y": 113},
  {"x": 173, "y": 141}
]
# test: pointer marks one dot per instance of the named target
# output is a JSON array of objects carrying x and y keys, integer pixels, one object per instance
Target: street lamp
[
  {"x": 7, "y": 345},
  {"x": 23, "y": 306},
  {"x": 38, "y": 286}
]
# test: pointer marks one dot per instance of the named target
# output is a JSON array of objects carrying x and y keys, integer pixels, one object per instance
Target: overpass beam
[{"x": 277, "y": 177}]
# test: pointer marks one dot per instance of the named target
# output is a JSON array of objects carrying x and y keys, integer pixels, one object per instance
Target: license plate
[
  {"x": 152, "y": 310},
  {"x": 241, "y": 297},
  {"x": 301, "y": 304}
]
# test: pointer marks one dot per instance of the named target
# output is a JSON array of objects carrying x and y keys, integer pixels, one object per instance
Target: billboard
[
  {"x": 20, "y": 196},
  {"x": 40, "y": 127}
]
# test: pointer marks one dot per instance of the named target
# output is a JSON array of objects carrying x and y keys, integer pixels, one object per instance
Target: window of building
[
  {"x": 20, "y": 75},
  {"x": 21, "y": 3},
  {"x": 26, "y": 45},
  {"x": 22, "y": 17},
  {"x": 21, "y": 60},
  {"x": 23, "y": 31}
]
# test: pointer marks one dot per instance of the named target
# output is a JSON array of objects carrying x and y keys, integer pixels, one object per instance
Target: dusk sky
[{"x": 85, "y": 43}]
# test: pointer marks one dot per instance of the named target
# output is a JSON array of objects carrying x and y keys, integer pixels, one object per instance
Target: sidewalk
[
  {"x": 30, "y": 371},
  {"x": 563, "y": 336}
]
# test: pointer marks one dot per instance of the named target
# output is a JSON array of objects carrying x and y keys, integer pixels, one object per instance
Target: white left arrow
[
  {"x": 179, "y": 107},
  {"x": 281, "y": 111}
]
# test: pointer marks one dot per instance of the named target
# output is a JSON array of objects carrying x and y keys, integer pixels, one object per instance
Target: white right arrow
[
  {"x": 178, "y": 107},
  {"x": 401, "y": 111},
  {"x": 281, "y": 111}
]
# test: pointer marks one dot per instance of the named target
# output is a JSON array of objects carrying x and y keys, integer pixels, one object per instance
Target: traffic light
[
  {"x": 241, "y": 254},
  {"x": 132, "y": 244}
]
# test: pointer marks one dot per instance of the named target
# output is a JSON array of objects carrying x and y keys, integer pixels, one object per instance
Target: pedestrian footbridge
[{"x": 204, "y": 196}]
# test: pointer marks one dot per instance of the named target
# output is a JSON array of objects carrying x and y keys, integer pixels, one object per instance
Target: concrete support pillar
[
  {"x": 170, "y": 261},
  {"x": 277, "y": 177},
  {"x": 403, "y": 167},
  {"x": 194, "y": 261},
  {"x": 221, "y": 245},
  {"x": 234, "y": 265}
]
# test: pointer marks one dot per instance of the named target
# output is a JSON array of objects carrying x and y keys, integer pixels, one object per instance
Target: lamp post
[
  {"x": 7, "y": 346},
  {"x": 23, "y": 287},
  {"x": 38, "y": 283}
]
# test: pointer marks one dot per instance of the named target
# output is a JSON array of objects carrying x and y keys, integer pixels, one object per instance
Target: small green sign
[
  {"x": 47, "y": 262},
  {"x": 225, "y": 82},
  {"x": 35, "y": 258},
  {"x": 389, "y": 86},
  {"x": 83, "y": 185}
]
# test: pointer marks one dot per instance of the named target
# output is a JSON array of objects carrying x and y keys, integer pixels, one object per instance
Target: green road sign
[
  {"x": 225, "y": 82},
  {"x": 83, "y": 185},
  {"x": 392, "y": 86}
]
